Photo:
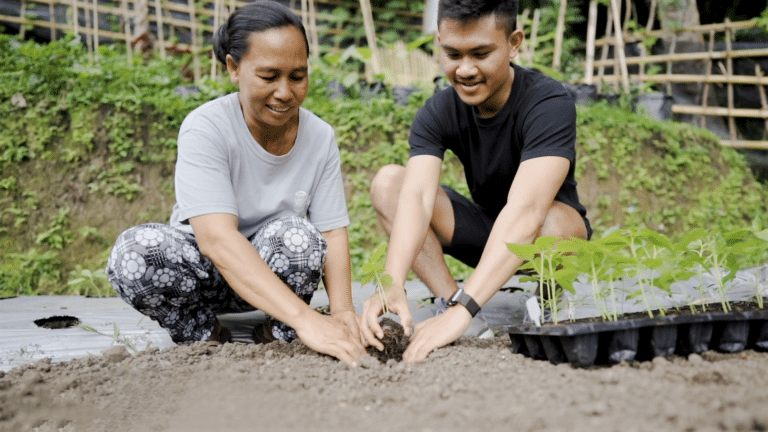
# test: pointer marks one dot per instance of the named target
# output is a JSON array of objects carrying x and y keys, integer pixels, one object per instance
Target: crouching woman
[{"x": 260, "y": 215}]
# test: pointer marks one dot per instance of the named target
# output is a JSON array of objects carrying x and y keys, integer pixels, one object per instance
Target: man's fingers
[{"x": 416, "y": 352}]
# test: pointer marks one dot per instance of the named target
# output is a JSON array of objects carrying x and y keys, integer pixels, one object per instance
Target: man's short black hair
[{"x": 465, "y": 11}]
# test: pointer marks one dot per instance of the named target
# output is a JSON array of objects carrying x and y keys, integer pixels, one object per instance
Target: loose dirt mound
[{"x": 472, "y": 385}]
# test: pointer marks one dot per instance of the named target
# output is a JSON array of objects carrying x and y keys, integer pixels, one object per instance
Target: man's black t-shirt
[{"x": 539, "y": 119}]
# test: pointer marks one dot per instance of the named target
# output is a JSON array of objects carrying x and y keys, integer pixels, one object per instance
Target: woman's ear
[
  {"x": 232, "y": 69},
  {"x": 515, "y": 42}
]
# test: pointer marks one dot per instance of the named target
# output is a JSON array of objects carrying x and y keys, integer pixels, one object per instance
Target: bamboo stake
[
  {"x": 127, "y": 30},
  {"x": 23, "y": 18},
  {"x": 534, "y": 34},
  {"x": 672, "y": 50},
  {"x": 305, "y": 14},
  {"x": 729, "y": 69},
  {"x": 75, "y": 18},
  {"x": 721, "y": 111},
  {"x": 591, "y": 33},
  {"x": 95, "y": 34},
  {"x": 754, "y": 145},
  {"x": 88, "y": 38},
  {"x": 52, "y": 21},
  {"x": 763, "y": 98},
  {"x": 680, "y": 57},
  {"x": 707, "y": 85},
  {"x": 559, "y": 36},
  {"x": 688, "y": 78},
  {"x": 520, "y": 25},
  {"x": 619, "y": 50},
  {"x": 315, "y": 48},
  {"x": 627, "y": 15},
  {"x": 216, "y": 23},
  {"x": 733, "y": 25},
  {"x": 605, "y": 47},
  {"x": 193, "y": 35},
  {"x": 160, "y": 27},
  {"x": 651, "y": 17},
  {"x": 370, "y": 34}
]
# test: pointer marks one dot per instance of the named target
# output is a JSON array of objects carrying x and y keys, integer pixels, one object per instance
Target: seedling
[
  {"x": 116, "y": 336},
  {"x": 373, "y": 270},
  {"x": 553, "y": 265}
]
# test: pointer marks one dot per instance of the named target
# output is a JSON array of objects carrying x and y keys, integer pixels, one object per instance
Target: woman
[{"x": 260, "y": 216}]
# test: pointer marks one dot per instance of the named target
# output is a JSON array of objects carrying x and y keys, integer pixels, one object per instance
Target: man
[{"x": 514, "y": 130}]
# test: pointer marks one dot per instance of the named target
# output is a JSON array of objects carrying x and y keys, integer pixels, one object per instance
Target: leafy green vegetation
[{"x": 88, "y": 150}]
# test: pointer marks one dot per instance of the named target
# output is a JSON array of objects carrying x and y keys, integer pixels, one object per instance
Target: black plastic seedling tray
[{"x": 584, "y": 344}]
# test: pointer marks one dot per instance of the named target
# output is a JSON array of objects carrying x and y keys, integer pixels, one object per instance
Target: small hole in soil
[{"x": 57, "y": 322}]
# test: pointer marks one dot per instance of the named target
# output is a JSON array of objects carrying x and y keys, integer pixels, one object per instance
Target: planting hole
[{"x": 57, "y": 322}]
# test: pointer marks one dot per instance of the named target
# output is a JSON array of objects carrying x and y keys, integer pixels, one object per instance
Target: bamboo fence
[
  {"x": 169, "y": 25},
  {"x": 610, "y": 72}
]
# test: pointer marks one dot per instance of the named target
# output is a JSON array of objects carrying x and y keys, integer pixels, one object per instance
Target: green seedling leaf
[
  {"x": 546, "y": 242},
  {"x": 524, "y": 251},
  {"x": 652, "y": 263},
  {"x": 656, "y": 239},
  {"x": 372, "y": 267},
  {"x": 763, "y": 235},
  {"x": 736, "y": 236},
  {"x": 386, "y": 281},
  {"x": 695, "y": 235}
]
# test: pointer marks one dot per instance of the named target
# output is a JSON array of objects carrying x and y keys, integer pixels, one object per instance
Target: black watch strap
[{"x": 464, "y": 299}]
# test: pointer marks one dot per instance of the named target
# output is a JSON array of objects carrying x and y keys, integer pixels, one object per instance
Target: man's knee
[
  {"x": 563, "y": 221},
  {"x": 386, "y": 185}
]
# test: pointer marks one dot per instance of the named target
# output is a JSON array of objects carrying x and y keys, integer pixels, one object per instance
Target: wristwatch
[{"x": 464, "y": 299}]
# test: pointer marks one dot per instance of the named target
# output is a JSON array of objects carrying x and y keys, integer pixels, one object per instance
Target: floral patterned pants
[{"x": 160, "y": 271}]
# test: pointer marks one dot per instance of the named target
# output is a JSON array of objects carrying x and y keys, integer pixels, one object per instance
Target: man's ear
[
  {"x": 515, "y": 42},
  {"x": 232, "y": 69}
]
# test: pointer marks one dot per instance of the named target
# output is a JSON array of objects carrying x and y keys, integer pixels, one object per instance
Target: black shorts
[
  {"x": 473, "y": 226},
  {"x": 472, "y": 229}
]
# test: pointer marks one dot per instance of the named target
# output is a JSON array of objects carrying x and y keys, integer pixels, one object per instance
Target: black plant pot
[{"x": 585, "y": 344}]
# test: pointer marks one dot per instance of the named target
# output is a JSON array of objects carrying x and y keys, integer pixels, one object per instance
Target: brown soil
[
  {"x": 395, "y": 342},
  {"x": 471, "y": 385}
]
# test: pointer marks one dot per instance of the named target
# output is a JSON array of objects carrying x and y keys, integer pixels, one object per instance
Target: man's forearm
[
  {"x": 409, "y": 230},
  {"x": 498, "y": 263}
]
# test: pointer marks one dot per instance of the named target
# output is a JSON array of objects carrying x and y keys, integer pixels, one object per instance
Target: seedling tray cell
[{"x": 584, "y": 344}]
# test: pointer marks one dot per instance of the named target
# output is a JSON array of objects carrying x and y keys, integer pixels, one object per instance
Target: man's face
[{"x": 475, "y": 57}]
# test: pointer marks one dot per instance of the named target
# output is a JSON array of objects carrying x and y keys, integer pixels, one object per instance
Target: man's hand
[
  {"x": 437, "y": 332},
  {"x": 397, "y": 303},
  {"x": 331, "y": 336}
]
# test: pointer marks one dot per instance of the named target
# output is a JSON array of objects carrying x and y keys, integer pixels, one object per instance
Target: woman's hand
[
  {"x": 351, "y": 320},
  {"x": 329, "y": 335},
  {"x": 373, "y": 308}
]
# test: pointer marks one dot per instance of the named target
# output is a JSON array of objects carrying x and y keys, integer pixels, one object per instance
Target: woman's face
[{"x": 272, "y": 76}]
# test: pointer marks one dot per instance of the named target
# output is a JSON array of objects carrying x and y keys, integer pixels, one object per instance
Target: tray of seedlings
[{"x": 653, "y": 263}]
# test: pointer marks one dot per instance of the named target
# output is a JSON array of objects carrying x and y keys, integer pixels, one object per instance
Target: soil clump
[{"x": 395, "y": 342}]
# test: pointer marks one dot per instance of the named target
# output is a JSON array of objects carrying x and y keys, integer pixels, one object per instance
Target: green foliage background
[{"x": 88, "y": 150}]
